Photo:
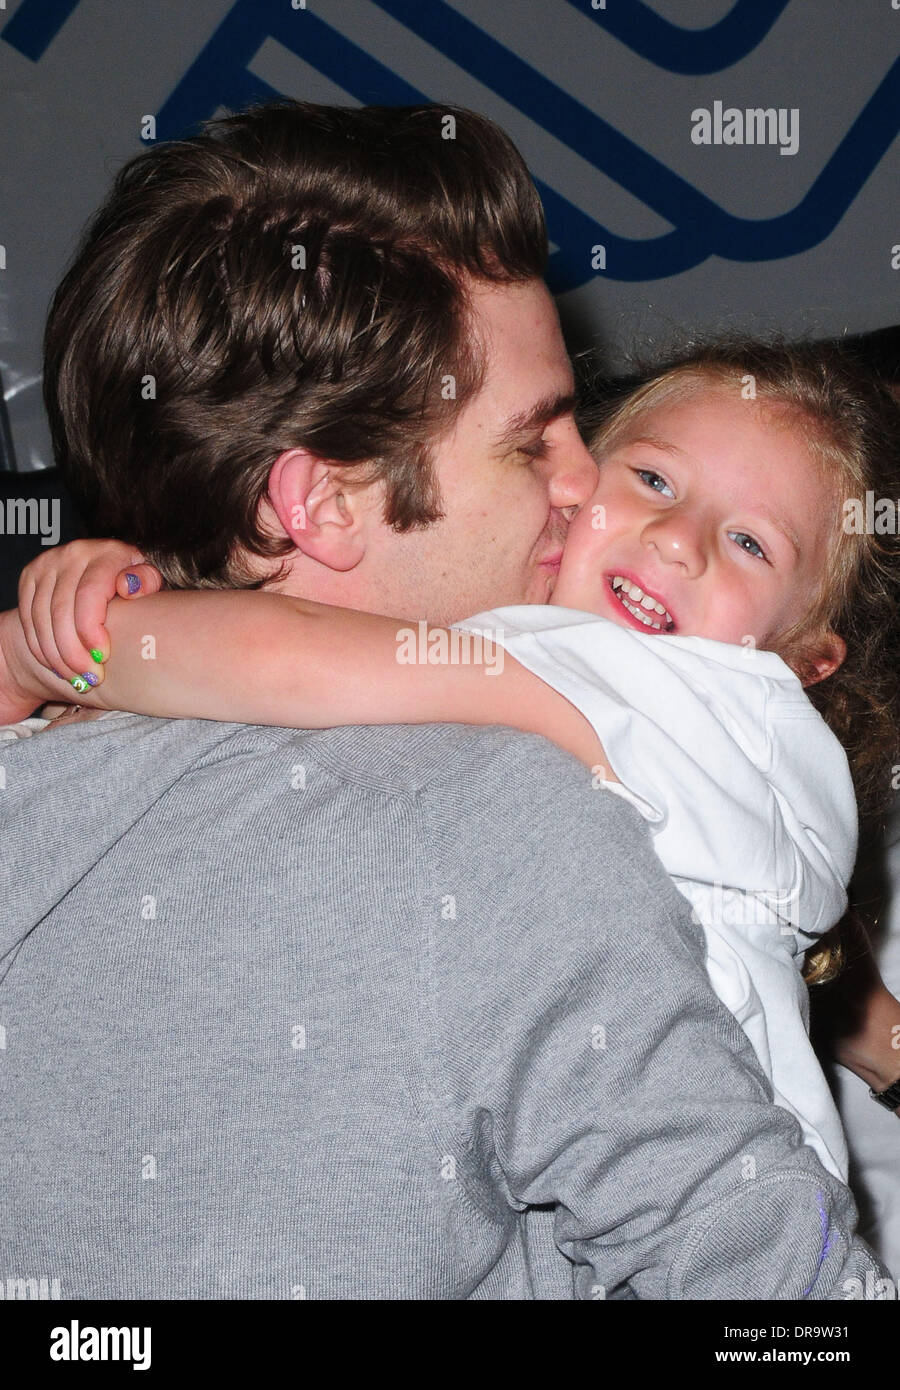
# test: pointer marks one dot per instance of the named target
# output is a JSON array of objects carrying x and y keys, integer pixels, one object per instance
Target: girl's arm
[{"x": 263, "y": 658}]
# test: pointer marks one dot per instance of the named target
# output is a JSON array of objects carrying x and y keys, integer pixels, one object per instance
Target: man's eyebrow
[
  {"x": 541, "y": 413},
  {"x": 788, "y": 532}
]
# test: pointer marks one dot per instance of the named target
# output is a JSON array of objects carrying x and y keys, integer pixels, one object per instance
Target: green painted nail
[
  {"x": 80, "y": 684},
  {"x": 96, "y": 654}
]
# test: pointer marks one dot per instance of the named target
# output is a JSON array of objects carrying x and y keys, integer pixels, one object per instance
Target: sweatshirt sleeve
[{"x": 582, "y": 1059}]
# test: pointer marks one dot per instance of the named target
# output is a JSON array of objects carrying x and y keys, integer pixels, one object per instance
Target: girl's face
[{"x": 710, "y": 519}]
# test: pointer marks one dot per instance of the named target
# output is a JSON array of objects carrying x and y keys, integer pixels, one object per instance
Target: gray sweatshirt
[{"x": 373, "y": 1013}]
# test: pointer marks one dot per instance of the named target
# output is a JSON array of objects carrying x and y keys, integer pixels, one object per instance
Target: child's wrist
[{"x": 24, "y": 683}]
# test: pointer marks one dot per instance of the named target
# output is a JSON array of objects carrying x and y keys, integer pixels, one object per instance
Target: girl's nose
[{"x": 677, "y": 540}]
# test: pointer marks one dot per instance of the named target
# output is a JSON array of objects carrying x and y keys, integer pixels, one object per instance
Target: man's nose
[
  {"x": 572, "y": 474},
  {"x": 677, "y": 539}
]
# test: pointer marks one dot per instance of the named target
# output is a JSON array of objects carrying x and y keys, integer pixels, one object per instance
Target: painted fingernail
[
  {"x": 80, "y": 684},
  {"x": 133, "y": 583},
  {"x": 89, "y": 677},
  {"x": 97, "y": 655}
]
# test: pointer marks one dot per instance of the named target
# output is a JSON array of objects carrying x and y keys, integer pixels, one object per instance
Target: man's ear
[
  {"x": 821, "y": 658},
  {"x": 316, "y": 507}
]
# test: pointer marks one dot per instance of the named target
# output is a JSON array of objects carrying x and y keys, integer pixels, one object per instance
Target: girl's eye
[
  {"x": 747, "y": 543},
  {"x": 647, "y": 476}
]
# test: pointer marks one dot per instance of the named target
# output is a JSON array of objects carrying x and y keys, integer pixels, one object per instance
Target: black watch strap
[{"x": 890, "y": 1098}]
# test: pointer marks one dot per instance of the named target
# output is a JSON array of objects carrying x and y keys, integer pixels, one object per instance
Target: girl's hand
[{"x": 63, "y": 598}]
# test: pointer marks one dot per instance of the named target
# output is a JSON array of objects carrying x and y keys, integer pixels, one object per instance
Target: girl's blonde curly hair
[{"x": 852, "y": 425}]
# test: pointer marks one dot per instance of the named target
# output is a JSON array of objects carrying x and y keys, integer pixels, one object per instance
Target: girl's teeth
[
  {"x": 648, "y": 622},
  {"x": 639, "y": 601}
]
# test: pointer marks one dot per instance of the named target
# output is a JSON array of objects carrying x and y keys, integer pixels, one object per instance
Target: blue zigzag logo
[{"x": 220, "y": 76}]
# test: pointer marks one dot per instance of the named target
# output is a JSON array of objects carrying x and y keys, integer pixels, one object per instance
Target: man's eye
[
  {"x": 747, "y": 543},
  {"x": 537, "y": 449},
  {"x": 647, "y": 476}
]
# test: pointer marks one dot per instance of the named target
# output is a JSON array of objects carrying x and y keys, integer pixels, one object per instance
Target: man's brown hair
[{"x": 293, "y": 276}]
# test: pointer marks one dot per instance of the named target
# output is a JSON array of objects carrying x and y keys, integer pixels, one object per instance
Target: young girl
[{"x": 712, "y": 580}]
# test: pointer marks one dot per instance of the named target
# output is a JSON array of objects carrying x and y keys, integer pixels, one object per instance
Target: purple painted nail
[
  {"x": 89, "y": 677},
  {"x": 133, "y": 583}
]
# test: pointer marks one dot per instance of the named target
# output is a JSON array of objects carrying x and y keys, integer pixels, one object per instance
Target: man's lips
[
  {"x": 657, "y": 622},
  {"x": 552, "y": 560}
]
